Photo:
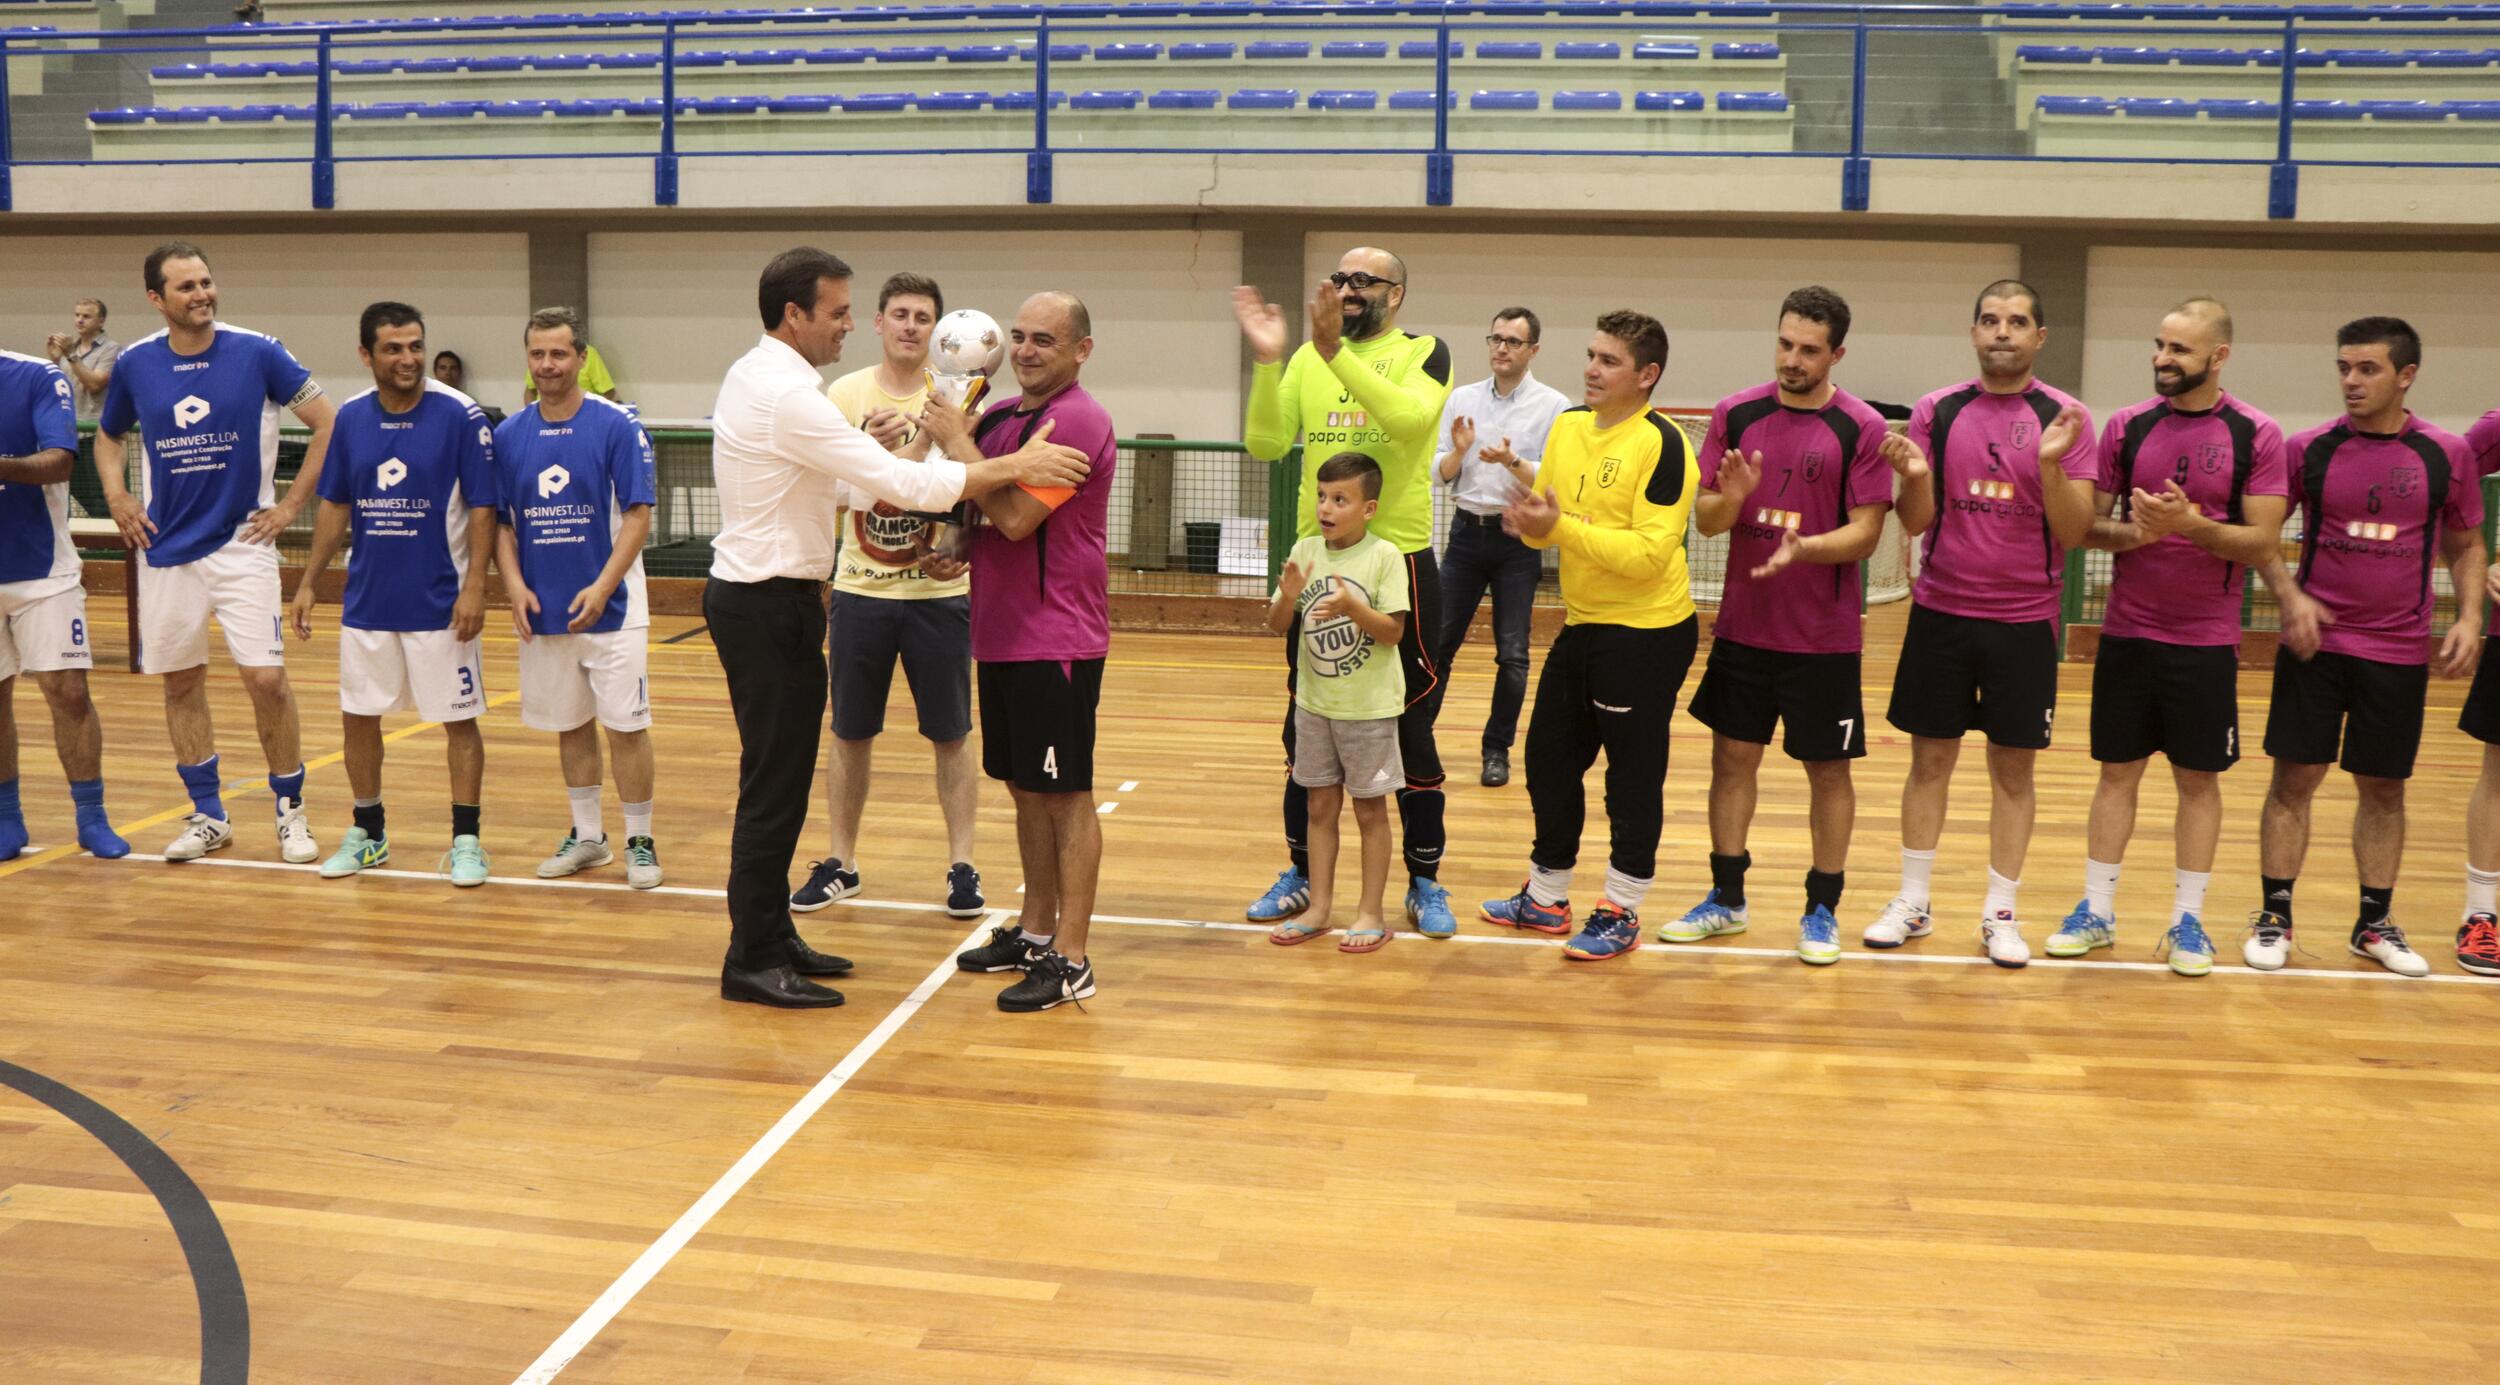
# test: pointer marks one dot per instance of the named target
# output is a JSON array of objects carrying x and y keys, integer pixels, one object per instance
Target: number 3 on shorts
[{"x": 1050, "y": 761}]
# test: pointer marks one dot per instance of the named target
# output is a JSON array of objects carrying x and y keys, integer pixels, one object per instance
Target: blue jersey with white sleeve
[
  {"x": 36, "y": 415},
  {"x": 409, "y": 481},
  {"x": 208, "y": 428},
  {"x": 566, "y": 487}
]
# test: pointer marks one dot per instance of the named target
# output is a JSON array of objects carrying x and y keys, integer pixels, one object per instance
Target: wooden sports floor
[{"x": 481, "y": 1137}]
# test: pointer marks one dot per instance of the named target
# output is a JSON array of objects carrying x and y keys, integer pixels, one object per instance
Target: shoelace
[
  {"x": 1060, "y": 971},
  {"x": 2481, "y": 936},
  {"x": 2275, "y": 934},
  {"x": 642, "y": 855},
  {"x": 1821, "y": 928},
  {"x": 2188, "y": 937},
  {"x": 442, "y": 867},
  {"x": 1604, "y": 920},
  {"x": 1284, "y": 886},
  {"x": 2390, "y": 933}
]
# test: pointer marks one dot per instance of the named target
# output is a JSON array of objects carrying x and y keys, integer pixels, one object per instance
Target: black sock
[
  {"x": 370, "y": 819},
  {"x": 1727, "y": 875},
  {"x": 464, "y": 819},
  {"x": 2374, "y": 904},
  {"x": 2278, "y": 897},
  {"x": 1420, "y": 828},
  {"x": 1298, "y": 825},
  {"x": 1823, "y": 887}
]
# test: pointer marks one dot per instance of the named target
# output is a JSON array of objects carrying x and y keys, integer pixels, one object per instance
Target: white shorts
[
  {"x": 566, "y": 678},
  {"x": 428, "y": 671},
  {"x": 46, "y": 634},
  {"x": 238, "y": 584}
]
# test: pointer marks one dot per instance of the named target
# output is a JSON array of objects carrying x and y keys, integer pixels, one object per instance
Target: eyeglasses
[
  {"x": 1501, "y": 343},
  {"x": 1362, "y": 283}
]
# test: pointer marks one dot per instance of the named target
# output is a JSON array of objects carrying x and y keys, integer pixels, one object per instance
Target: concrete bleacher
[
  {"x": 2229, "y": 23},
  {"x": 2203, "y": 72},
  {"x": 2391, "y": 131},
  {"x": 1195, "y": 117}
]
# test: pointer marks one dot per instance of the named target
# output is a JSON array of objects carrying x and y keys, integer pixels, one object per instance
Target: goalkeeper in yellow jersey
[
  {"x": 1616, "y": 490},
  {"x": 1361, "y": 385}
]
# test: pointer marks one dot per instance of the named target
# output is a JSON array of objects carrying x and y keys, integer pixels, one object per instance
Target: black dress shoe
[
  {"x": 1496, "y": 769},
  {"x": 807, "y": 961},
  {"x": 778, "y": 986}
]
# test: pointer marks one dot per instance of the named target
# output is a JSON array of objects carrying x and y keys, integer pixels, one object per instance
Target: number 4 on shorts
[{"x": 1050, "y": 761}]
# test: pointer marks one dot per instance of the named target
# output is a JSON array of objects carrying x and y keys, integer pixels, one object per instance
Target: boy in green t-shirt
[{"x": 1347, "y": 586}]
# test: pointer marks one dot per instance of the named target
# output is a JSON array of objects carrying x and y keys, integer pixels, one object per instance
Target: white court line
[
  {"x": 1498, "y": 940},
  {"x": 1108, "y": 807},
  {"x": 595, "y": 1318}
]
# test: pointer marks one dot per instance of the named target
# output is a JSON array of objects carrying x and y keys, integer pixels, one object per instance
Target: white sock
[
  {"x": 2482, "y": 891},
  {"x": 638, "y": 819},
  {"x": 1625, "y": 891},
  {"x": 1916, "y": 866},
  {"x": 1548, "y": 886},
  {"x": 1037, "y": 939},
  {"x": 2100, "y": 888},
  {"x": 586, "y": 826},
  {"x": 2000, "y": 895},
  {"x": 2188, "y": 895}
]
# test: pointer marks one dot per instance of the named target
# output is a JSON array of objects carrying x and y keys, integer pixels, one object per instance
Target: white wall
[
  {"x": 2285, "y": 307},
  {"x": 1719, "y": 298},
  {"x": 306, "y": 289},
  {"x": 673, "y": 309}
]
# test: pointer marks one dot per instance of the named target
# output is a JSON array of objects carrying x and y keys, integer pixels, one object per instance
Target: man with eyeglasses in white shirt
[{"x": 1492, "y": 436}]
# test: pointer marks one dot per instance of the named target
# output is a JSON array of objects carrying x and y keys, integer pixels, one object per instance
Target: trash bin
[{"x": 1201, "y": 541}]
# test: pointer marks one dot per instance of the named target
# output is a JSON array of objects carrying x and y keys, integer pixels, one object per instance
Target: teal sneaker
[
  {"x": 1818, "y": 938},
  {"x": 358, "y": 852},
  {"x": 1290, "y": 895},
  {"x": 466, "y": 862},
  {"x": 2083, "y": 931},
  {"x": 1428, "y": 905},
  {"x": 1708, "y": 919}
]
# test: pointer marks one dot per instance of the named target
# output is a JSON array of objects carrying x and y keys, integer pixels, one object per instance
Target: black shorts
[
  {"x": 2481, "y": 718},
  {"x": 2374, "y": 708},
  {"x": 2182, "y": 700},
  {"x": 1745, "y": 690},
  {"x": 933, "y": 639},
  {"x": 1037, "y": 724},
  {"x": 1960, "y": 672}
]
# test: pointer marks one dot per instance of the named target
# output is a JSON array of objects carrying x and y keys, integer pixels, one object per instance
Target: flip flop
[
  {"x": 1364, "y": 940},
  {"x": 1291, "y": 931}
]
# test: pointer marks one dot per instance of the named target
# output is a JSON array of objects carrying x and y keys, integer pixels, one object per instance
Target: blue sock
[
  {"x": 289, "y": 788},
  {"x": 95, "y": 831},
  {"x": 13, "y": 836},
  {"x": 201, "y": 782}
]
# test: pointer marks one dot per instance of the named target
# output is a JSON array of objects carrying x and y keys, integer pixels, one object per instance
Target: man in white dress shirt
[
  {"x": 782, "y": 458},
  {"x": 1492, "y": 437}
]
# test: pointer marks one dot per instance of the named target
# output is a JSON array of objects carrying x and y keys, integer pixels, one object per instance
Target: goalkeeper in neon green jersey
[{"x": 1361, "y": 385}]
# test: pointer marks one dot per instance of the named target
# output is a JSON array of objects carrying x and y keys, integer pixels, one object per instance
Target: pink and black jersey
[
  {"x": 2482, "y": 442},
  {"x": 1817, "y": 465},
  {"x": 2373, "y": 506},
  {"x": 1990, "y": 554},
  {"x": 1048, "y": 596},
  {"x": 2171, "y": 590}
]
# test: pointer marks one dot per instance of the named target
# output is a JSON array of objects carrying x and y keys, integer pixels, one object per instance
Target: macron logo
[
  {"x": 391, "y": 473},
  {"x": 552, "y": 482},
  {"x": 189, "y": 409}
]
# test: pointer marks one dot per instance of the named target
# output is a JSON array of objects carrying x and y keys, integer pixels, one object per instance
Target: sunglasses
[{"x": 1362, "y": 283}]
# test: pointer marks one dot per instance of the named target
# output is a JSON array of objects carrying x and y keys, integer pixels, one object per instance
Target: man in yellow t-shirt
[
  {"x": 1615, "y": 492},
  {"x": 888, "y": 609}
]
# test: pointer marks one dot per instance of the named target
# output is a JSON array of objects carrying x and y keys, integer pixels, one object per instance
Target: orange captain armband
[{"x": 1052, "y": 496}]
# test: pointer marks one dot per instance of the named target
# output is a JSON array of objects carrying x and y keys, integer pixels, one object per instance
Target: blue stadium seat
[
  {"x": 1185, "y": 99},
  {"x": 835, "y": 57},
  {"x": 564, "y": 62},
  {"x": 2473, "y": 110},
  {"x": 910, "y": 53},
  {"x": 981, "y": 53},
  {"x": 1588, "y": 100},
  {"x": 1287, "y": 49},
  {"x": 764, "y": 57},
  {"x": 1106, "y": 100},
  {"x": 1666, "y": 51},
  {"x": 1749, "y": 52},
  {"x": 1263, "y": 99},
  {"x": 1418, "y": 100},
  {"x": 1589, "y": 52},
  {"x": 1059, "y": 52},
  {"x": 1354, "y": 48},
  {"x": 2364, "y": 57},
  {"x": 1502, "y": 100},
  {"x": 2168, "y": 107},
  {"x": 2213, "y": 57},
  {"x": 1203, "y": 52},
  {"x": 1023, "y": 101},
  {"x": 2454, "y": 57},
  {"x": 1753, "y": 100},
  {"x": 2326, "y": 110},
  {"x": 2240, "y": 108},
  {"x": 614, "y": 62},
  {"x": 1670, "y": 101},
  {"x": 1429, "y": 49},
  {"x": 2132, "y": 57},
  {"x": 1127, "y": 52},
  {"x": 1508, "y": 50},
  {"x": 951, "y": 100},
  {"x": 520, "y": 110},
  {"x": 719, "y": 105},
  {"x": 702, "y": 59},
  {"x": 875, "y": 101},
  {"x": 1345, "y": 100},
  {"x": 2402, "y": 110},
  {"x": 2052, "y": 53},
  {"x": 2076, "y": 105}
]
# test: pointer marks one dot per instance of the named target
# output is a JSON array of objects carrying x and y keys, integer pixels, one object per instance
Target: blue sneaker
[
  {"x": 963, "y": 891},
  {"x": 1519, "y": 911},
  {"x": 1708, "y": 919},
  {"x": 1818, "y": 937},
  {"x": 2188, "y": 950},
  {"x": 1609, "y": 933},
  {"x": 826, "y": 882},
  {"x": 1290, "y": 895},
  {"x": 1428, "y": 905},
  {"x": 2083, "y": 931}
]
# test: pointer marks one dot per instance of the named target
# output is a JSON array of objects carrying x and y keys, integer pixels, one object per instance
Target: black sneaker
[
  {"x": 826, "y": 882},
  {"x": 963, "y": 891},
  {"x": 1005, "y": 951},
  {"x": 1049, "y": 979}
]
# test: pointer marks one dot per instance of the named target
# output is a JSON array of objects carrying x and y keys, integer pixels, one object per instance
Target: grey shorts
[{"x": 1361, "y": 755}]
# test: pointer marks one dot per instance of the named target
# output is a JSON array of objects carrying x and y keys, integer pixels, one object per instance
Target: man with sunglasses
[
  {"x": 1492, "y": 436},
  {"x": 1360, "y": 384}
]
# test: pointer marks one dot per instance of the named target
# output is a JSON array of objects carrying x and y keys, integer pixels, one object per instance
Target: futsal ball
[{"x": 967, "y": 342}]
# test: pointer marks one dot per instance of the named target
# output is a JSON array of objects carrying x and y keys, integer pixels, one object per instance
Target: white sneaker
[
  {"x": 2384, "y": 943},
  {"x": 295, "y": 839},
  {"x": 2002, "y": 939},
  {"x": 1900, "y": 922},
  {"x": 201, "y": 834},
  {"x": 574, "y": 855},
  {"x": 2269, "y": 943}
]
